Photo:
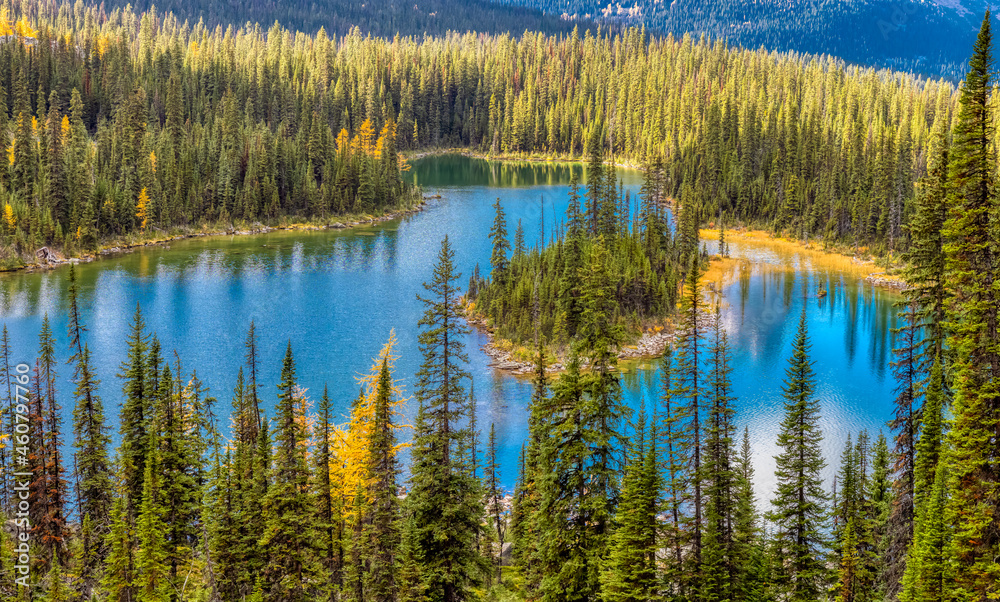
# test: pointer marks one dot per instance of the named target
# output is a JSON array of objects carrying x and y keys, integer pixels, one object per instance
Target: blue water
[{"x": 338, "y": 294}]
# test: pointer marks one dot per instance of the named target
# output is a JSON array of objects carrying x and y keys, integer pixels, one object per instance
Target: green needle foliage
[
  {"x": 445, "y": 499},
  {"x": 799, "y": 512}
]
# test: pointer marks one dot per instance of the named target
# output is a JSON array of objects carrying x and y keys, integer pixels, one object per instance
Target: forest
[
  {"x": 122, "y": 122},
  {"x": 808, "y": 145},
  {"x": 385, "y": 19},
  {"x": 199, "y": 503},
  {"x": 931, "y": 38}
]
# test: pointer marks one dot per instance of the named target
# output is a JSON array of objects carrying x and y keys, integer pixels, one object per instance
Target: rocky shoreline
[
  {"x": 49, "y": 259},
  {"x": 883, "y": 280},
  {"x": 651, "y": 344}
]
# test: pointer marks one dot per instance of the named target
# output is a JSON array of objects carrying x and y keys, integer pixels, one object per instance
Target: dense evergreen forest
[
  {"x": 809, "y": 145},
  {"x": 923, "y": 37},
  {"x": 384, "y": 18},
  {"x": 609, "y": 504},
  {"x": 173, "y": 124}
]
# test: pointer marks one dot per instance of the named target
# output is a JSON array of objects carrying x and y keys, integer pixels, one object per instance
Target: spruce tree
[
  {"x": 288, "y": 537},
  {"x": 674, "y": 446},
  {"x": 444, "y": 497},
  {"x": 383, "y": 538},
  {"x": 629, "y": 573},
  {"x": 90, "y": 439},
  {"x": 798, "y": 511},
  {"x": 152, "y": 569},
  {"x": 690, "y": 399},
  {"x": 494, "y": 501},
  {"x": 178, "y": 463},
  {"x": 327, "y": 511},
  {"x": 135, "y": 411},
  {"x": 119, "y": 568},
  {"x": 498, "y": 236},
  {"x": 747, "y": 556},
  {"x": 974, "y": 338},
  {"x": 927, "y": 291},
  {"x": 50, "y": 530},
  {"x": 601, "y": 409},
  {"x": 720, "y": 479}
]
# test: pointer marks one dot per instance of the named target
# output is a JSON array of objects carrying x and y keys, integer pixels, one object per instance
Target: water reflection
[{"x": 336, "y": 295}]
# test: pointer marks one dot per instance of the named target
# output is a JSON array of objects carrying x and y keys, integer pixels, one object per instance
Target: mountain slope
[
  {"x": 378, "y": 17},
  {"x": 931, "y": 37}
]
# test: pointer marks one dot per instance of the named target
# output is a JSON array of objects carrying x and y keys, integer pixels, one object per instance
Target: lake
[{"x": 338, "y": 294}]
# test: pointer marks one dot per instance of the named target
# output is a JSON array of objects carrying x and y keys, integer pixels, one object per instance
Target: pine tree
[
  {"x": 444, "y": 497},
  {"x": 327, "y": 512},
  {"x": 135, "y": 411},
  {"x": 119, "y": 568},
  {"x": 93, "y": 473},
  {"x": 690, "y": 400},
  {"x": 288, "y": 536},
  {"x": 974, "y": 339},
  {"x": 498, "y": 237},
  {"x": 494, "y": 501},
  {"x": 720, "y": 480},
  {"x": 629, "y": 573},
  {"x": 383, "y": 511},
  {"x": 152, "y": 570},
  {"x": 799, "y": 514}
]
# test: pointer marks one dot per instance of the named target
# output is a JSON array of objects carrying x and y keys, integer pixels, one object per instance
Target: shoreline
[
  {"x": 653, "y": 341},
  {"x": 350, "y": 222},
  {"x": 651, "y": 344},
  {"x": 508, "y": 158},
  {"x": 835, "y": 258}
]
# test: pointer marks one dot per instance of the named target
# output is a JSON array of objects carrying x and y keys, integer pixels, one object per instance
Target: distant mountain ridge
[{"x": 932, "y": 37}]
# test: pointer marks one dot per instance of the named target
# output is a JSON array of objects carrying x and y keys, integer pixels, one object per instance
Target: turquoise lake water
[{"x": 337, "y": 295}]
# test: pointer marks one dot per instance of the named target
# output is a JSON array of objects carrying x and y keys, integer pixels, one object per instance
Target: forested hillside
[
  {"x": 379, "y": 17},
  {"x": 120, "y": 123},
  {"x": 137, "y": 124},
  {"x": 813, "y": 146},
  {"x": 922, "y": 37}
]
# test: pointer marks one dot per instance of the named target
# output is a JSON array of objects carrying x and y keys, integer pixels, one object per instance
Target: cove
[{"x": 337, "y": 295}]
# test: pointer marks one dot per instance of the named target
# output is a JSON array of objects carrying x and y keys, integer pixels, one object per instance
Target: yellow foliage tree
[
  {"x": 351, "y": 442},
  {"x": 8, "y": 216},
  {"x": 5, "y": 27},
  {"x": 102, "y": 45},
  {"x": 64, "y": 128},
  {"x": 364, "y": 140},
  {"x": 142, "y": 208},
  {"x": 343, "y": 141},
  {"x": 23, "y": 29},
  {"x": 152, "y": 161}
]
